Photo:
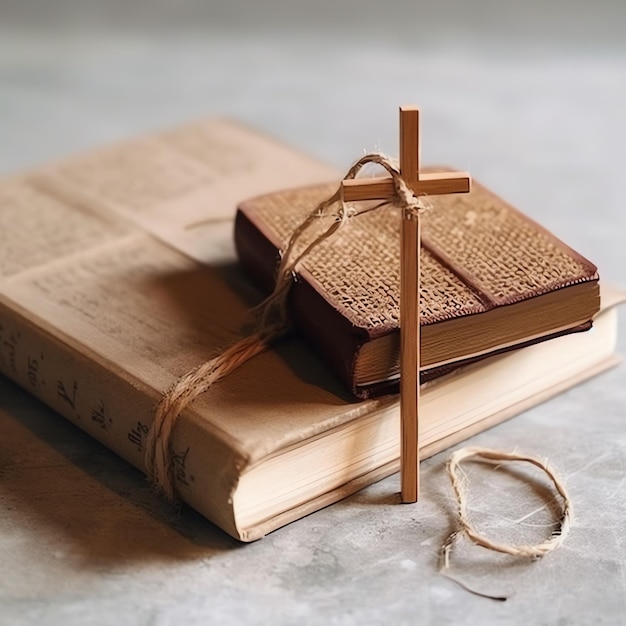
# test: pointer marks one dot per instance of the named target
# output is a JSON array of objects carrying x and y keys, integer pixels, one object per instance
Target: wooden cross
[{"x": 422, "y": 184}]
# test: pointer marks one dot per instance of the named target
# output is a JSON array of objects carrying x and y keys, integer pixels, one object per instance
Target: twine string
[
  {"x": 271, "y": 319},
  {"x": 533, "y": 552}
]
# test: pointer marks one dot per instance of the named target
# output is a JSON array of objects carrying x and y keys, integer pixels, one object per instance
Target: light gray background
[{"x": 529, "y": 96}]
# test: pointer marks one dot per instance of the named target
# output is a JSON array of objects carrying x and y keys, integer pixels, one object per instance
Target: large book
[
  {"x": 118, "y": 275},
  {"x": 491, "y": 279}
]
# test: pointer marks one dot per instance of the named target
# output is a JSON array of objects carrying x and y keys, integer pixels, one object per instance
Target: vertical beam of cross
[
  {"x": 380, "y": 189},
  {"x": 409, "y": 312}
]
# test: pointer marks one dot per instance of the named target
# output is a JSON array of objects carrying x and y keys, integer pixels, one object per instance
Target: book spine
[
  {"x": 116, "y": 411},
  {"x": 326, "y": 330}
]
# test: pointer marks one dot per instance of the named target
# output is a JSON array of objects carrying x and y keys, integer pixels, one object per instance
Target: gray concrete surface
[{"x": 529, "y": 97}]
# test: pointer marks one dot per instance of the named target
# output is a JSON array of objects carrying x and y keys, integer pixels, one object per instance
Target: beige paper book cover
[{"x": 117, "y": 276}]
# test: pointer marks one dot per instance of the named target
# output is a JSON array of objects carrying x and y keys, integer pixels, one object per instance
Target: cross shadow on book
[{"x": 65, "y": 489}]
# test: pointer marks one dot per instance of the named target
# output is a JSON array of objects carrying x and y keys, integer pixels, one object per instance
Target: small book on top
[{"x": 491, "y": 279}]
